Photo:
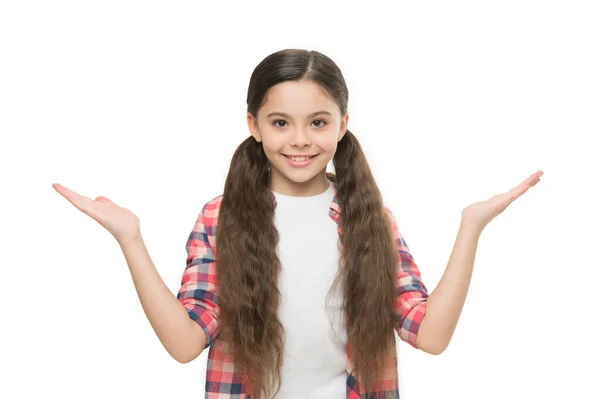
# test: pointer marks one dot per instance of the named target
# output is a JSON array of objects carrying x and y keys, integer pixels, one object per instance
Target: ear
[
  {"x": 253, "y": 127},
  {"x": 343, "y": 127}
]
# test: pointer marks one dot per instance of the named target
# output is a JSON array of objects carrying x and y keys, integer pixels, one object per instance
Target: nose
[{"x": 300, "y": 139}]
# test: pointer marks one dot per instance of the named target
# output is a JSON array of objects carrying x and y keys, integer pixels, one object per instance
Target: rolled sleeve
[
  {"x": 198, "y": 292},
  {"x": 411, "y": 293}
]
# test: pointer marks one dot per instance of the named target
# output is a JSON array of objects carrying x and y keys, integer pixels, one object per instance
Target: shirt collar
[{"x": 334, "y": 206}]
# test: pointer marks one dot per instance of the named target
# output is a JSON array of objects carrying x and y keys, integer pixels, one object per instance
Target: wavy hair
[{"x": 248, "y": 265}]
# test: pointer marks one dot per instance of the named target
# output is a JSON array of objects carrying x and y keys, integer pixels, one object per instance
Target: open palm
[
  {"x": 123, "y": 224},
  {"x": 479, "y": 214}
]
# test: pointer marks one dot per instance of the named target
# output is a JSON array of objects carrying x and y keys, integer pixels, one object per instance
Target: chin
[{"x": 301, "y": 176}]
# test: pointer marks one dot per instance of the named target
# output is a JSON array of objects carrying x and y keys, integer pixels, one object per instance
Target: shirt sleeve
[
  {"x": 411, "y": 293},
  {"x": 199, "y": 281}
]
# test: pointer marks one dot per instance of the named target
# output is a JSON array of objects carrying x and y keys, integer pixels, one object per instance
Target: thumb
[{"x": 104, "y": 199}]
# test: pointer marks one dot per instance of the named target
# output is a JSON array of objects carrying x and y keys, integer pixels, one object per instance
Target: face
[{"x": 290, "y": 123}]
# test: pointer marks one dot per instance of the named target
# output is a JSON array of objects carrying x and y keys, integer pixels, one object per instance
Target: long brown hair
[{"x": 248, "y": 266}]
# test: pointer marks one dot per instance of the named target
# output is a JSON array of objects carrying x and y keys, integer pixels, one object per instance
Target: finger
[
  {"x": 81, "y": 202},
  {"x": 524, "y": 187},
  {"x": 517, "y": 191},
  {"x": 527, "y": 183},
  {"x": 509, "y": 196},
  {"x": 534, "y": 177}
]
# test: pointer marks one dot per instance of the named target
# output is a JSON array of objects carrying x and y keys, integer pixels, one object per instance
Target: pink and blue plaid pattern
[{"x": 198, "y": 294}]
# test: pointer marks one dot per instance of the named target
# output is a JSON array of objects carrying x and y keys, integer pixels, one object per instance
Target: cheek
[
  {"x": 273, "y": 147},
  {"x": 329, "y": 147}
]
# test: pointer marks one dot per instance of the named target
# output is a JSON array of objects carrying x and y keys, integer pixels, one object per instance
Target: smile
[{"x": 299, "y": 161}]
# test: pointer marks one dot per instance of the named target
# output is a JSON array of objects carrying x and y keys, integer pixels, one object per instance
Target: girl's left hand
[{"x": 479, "y": 214}]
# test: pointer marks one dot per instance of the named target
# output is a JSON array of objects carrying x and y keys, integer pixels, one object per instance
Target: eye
[{"x": 275, "y": 123}]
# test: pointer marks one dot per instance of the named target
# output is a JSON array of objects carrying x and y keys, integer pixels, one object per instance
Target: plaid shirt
[{"x": 198, "y": 294}]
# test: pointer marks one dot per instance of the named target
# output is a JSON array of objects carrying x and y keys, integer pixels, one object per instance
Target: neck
[{"x": 315, "y": 186}]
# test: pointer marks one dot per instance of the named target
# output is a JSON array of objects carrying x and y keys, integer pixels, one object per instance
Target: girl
[{"x": 288, "y": 244}]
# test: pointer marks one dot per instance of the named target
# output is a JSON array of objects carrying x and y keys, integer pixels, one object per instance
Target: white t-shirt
[{"x": 315, "y": 352}]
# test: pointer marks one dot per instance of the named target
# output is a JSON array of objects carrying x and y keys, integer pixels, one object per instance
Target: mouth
[
  {"x": 304, "y": 156},
  {"x": 299, "y": 161}
]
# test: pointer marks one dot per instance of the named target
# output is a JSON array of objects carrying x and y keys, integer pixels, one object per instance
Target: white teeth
[{"x": 299, "y": 159}]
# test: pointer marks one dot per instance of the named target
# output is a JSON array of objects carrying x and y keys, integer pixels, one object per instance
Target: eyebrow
[{"x": 309, "y": 116}]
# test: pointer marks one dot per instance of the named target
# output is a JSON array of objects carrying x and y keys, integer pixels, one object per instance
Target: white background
[{"x": 453, "y": 102}]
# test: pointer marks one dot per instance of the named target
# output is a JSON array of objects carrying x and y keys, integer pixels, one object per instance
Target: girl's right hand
[{"x": 120, "y": 222}]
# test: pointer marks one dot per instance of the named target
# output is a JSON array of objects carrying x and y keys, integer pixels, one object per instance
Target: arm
[
  {"x": 445, "y": 303},
  {"x": 180, "y": 336},
  {"x": 411, "y": 293},
  {"x": 447, "y": 300},
  {"x": 198, "y": 291}
]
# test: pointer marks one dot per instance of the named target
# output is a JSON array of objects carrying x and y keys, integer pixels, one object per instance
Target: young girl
[{"x": 288, "y": 245}]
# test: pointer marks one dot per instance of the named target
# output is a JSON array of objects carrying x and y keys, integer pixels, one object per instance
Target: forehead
[{"x": 298, "y": 98}]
